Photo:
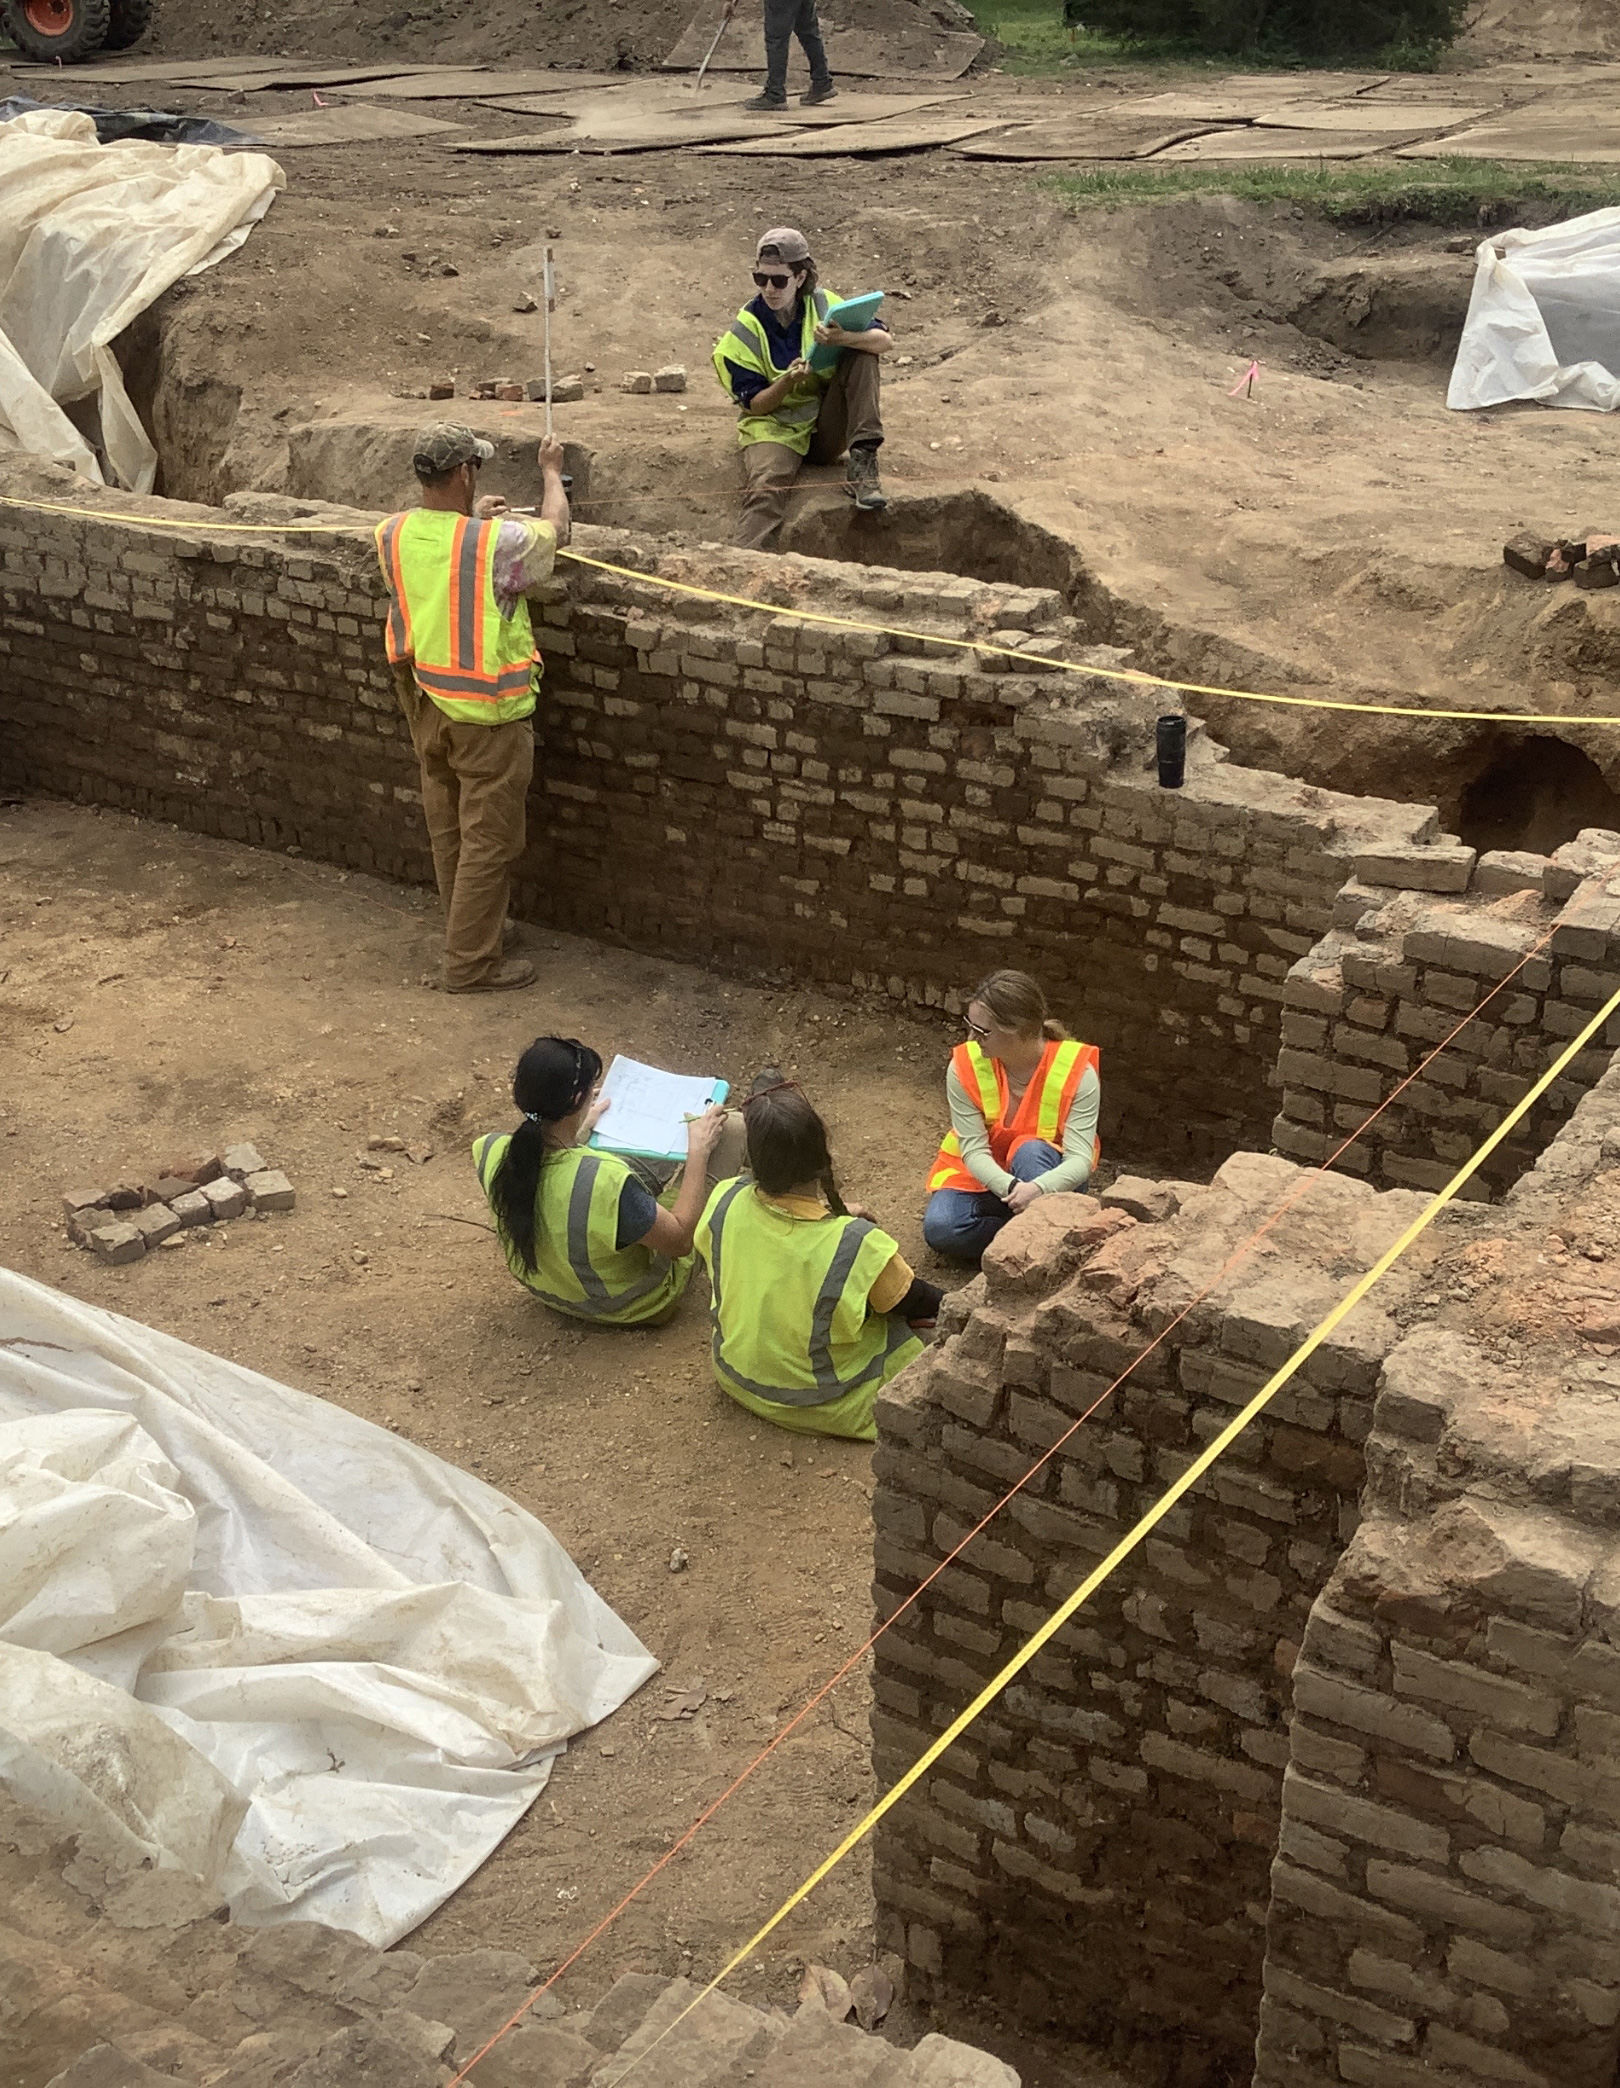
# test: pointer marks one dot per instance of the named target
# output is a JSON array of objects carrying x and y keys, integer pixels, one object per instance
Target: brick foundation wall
[
  {"x": 1334, "y": 1758},
  {"x": 876, "y": 813}
]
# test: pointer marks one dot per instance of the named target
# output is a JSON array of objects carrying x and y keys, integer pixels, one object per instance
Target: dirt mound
[
  {"x": 596, "y": 33},
  {"x": 1527, "y": 29}
]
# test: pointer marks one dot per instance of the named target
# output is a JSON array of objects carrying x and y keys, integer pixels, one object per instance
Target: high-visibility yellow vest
[
  {"x": 1043, "y": 1113},
  {"x": 746, "y": 344},
  {"x": 793, "y": 1339},
  {"x": 579, "y": 1267},
  {"x": 478, "y": 666}
]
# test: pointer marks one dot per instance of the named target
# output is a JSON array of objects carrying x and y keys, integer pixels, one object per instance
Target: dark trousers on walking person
[
  {"x": 850, "y": 418},
  {"x": 784, "y": 20}
]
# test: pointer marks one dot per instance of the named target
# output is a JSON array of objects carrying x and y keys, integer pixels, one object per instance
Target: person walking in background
[
  {"x": 1023, "y": 1097},
  {"x": 462, "y": 651},
  {"x": 813, "y": 1306},
  {"x": 788, "y": 413},
  {"x": 784, "y": 20},
  {"x": 583, "y": 1228}
]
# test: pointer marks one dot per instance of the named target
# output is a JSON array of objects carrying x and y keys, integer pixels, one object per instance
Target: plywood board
[
  {"x": 473, "y": 82},
  {"x": 1242, "y": 96},
  {"x": 852, "y": 53},
  {"x": 650, "y": 133},
  {"x": 1368, "y": 116},
  {"x": 904, "y": 134},
  {"x": 1065, "y": 140},
  {"x": 354, "y": 125},
  {"x": 255, "y": 79},
  {"x": 139, "y": 70},
  {"x": 1567, "y": 140},
  {"x": 718, "y": 98},
  {"x": 1252, "y": 143}
]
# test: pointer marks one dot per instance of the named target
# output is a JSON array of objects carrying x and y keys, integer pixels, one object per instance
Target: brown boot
[{"x": 514, "y": 972}]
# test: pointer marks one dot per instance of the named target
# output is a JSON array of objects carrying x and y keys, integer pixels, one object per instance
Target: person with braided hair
[
  {"x": 813, "y": 1306},
  {"x": 583, "y": 1228}
]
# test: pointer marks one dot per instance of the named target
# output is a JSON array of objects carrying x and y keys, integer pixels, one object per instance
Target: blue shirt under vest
[{"x": 782, "y": 338}]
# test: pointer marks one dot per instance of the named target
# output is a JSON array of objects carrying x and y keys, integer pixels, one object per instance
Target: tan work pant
[
  {"x": 475, "y": 787},
  {"x": 850, "y": 413}
]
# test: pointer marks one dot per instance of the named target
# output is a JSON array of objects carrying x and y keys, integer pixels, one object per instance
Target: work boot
[
  {"x": 763, "y": 102},
  {"x": 514, "y": 972},
  {"x": 511, "y": 934},
  {"x": 864, "y": 482},
  {"x": 817, "y": 95}
]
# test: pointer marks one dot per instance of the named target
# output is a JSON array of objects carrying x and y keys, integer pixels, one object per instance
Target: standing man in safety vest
[
  {"x": 462, "y": 650},
  {"x": 789, "y": 412},
  {"x": 1024, "y": 1097}
]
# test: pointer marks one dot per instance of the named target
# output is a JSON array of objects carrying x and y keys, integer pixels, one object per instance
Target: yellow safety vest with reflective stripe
[
  {"x": 1042, "y": 1113},
  {"x": 478, "y": 666},
  {"x": 788, "y": 1303},
  {"x": 746, "y": 344},
  {"x": 579, "y": 1267}
]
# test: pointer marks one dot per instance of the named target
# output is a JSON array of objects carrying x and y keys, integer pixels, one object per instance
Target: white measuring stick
[
  {"x": 551, "y": 306},
  {"x": 697, "y": 85}
]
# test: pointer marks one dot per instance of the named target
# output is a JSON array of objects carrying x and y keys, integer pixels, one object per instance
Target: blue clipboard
[{"x": 854, "y": 315}]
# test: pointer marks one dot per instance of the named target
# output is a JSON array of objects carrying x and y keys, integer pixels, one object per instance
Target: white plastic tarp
[
  {"x": 251, "y": 1638},
  {"x": 1544, "y": 318},
  {"x": 90, "y": 235}
]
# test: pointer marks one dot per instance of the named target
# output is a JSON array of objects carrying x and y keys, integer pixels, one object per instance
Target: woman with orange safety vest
[{"x": 1023, "y": 1098}]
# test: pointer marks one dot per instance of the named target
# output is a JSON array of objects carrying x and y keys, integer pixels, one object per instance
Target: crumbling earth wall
[
  {"x": 1342, "y": 1733},
  {"x": 882, "y": 812}
]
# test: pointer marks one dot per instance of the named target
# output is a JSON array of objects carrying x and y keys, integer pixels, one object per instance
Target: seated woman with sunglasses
[
  {"x": 1023, "y": 1098},
  {"x": 583, "y": 1228},
  {"x": 790, "y": 412},
  {"x": 814, "y": 1307}
]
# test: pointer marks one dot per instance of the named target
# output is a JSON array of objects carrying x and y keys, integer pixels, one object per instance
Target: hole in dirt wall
[{"x": 1534, "y": 793}]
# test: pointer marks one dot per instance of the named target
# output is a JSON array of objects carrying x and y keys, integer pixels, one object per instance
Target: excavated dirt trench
[{"x": 1213, "y": 604}]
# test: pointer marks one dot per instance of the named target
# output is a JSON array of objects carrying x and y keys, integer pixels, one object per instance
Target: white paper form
[{"x": 650, "y": 1109}]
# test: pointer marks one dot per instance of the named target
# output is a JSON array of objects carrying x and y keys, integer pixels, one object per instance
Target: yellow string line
[
  {"x": 1031, "y": 662},
  {"x": 1149, "y": 1522}
]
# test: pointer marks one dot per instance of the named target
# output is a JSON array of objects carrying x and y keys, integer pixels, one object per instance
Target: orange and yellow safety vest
[
  {"x": 478, "y": 666},
  {"x": 1043, "y": 1113}
]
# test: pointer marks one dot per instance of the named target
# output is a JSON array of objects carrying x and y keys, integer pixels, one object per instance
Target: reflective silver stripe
[
  {"x": 738, "y": 332},
  {"x": 820, "y": 300},
  {"x": 399, "y": 637},
  {"x": 598, "y": 1301},
  {"x": 828, "y": 1384},
  {"x": 445, "y": 681},
  {"x": 469, "y": 604}
]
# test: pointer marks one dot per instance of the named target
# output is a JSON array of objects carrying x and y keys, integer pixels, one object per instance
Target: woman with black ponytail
[
  {"x": 581, "y": 1228},
  {"x": 813, "y": 1305}
]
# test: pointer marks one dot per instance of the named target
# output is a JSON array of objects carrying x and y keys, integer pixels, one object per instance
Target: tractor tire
[
  {"x": 60, "y": 30},
  {"x": 130, "y": 21}
]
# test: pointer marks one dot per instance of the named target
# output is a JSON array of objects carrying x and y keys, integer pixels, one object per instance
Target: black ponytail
[{"x": 554, "y": 1078}]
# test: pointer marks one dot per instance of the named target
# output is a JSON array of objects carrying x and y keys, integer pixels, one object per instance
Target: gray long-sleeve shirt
[{"x": 1073, "y": 1171}]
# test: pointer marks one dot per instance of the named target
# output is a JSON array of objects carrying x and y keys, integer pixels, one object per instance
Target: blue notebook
[{"x": 854, "y": 315}]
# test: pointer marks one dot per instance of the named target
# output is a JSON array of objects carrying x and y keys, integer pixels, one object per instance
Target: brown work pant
[
  {"x": 475, "y": 786},
  {"x": 850, "y": 413}
]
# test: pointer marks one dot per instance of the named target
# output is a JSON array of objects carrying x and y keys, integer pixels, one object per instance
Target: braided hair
[
  {"x": 787, "y": 1144},
  {"x": 553, "y": 1080}
]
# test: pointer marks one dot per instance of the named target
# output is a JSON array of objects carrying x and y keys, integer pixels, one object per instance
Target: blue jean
[{"x": 961, "y": 1223}]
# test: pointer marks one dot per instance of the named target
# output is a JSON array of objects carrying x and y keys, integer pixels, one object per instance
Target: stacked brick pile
[
  {"x": 1400, "y": 971},
  {"x": 123, "y": 1223}
]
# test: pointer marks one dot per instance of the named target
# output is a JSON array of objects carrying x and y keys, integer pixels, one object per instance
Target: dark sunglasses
[{"x": 777, "y": 282}]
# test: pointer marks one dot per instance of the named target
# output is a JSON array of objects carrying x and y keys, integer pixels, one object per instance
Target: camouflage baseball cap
[{"x": 442, "y": 445}]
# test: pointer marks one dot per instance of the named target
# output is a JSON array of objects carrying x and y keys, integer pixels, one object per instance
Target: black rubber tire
[
  {"x": 83, "y": 34},
  {"x": 130, "y": 21}
]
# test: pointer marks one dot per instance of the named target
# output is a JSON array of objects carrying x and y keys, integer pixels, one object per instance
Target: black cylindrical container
[{"x": 1172, "y": 738}]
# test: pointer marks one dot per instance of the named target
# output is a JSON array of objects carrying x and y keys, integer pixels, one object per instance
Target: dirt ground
[
  {"x": 160, "y": 992},
  {"x": 1340, "y": 530}
]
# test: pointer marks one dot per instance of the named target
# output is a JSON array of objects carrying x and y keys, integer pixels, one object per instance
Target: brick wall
[
  {"x": 872, "y": 812},
  {"x": 1335, "y": 1756},
  {"x": 1096, "y": 1849},
  {"x": 1402, "y": 969}
]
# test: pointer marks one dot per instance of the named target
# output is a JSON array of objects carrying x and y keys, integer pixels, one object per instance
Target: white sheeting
[
  {"x": 255, "y": 1639},
  {"x": 1544, "y": 318},
  {"x": 90, "y": 235}
]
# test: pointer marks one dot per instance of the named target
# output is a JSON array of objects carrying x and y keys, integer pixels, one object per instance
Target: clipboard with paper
[{"x": 649, "y": 1109}]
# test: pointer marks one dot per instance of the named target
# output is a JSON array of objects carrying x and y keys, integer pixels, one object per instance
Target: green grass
[
  {"x": 1439, "y": 191},
  {"x": 1035, "y": 42}
]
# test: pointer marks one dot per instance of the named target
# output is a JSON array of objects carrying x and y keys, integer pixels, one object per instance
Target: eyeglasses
[
  {"x": 974, "y": 1030},
  {"x": 776, "y": 282}
]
